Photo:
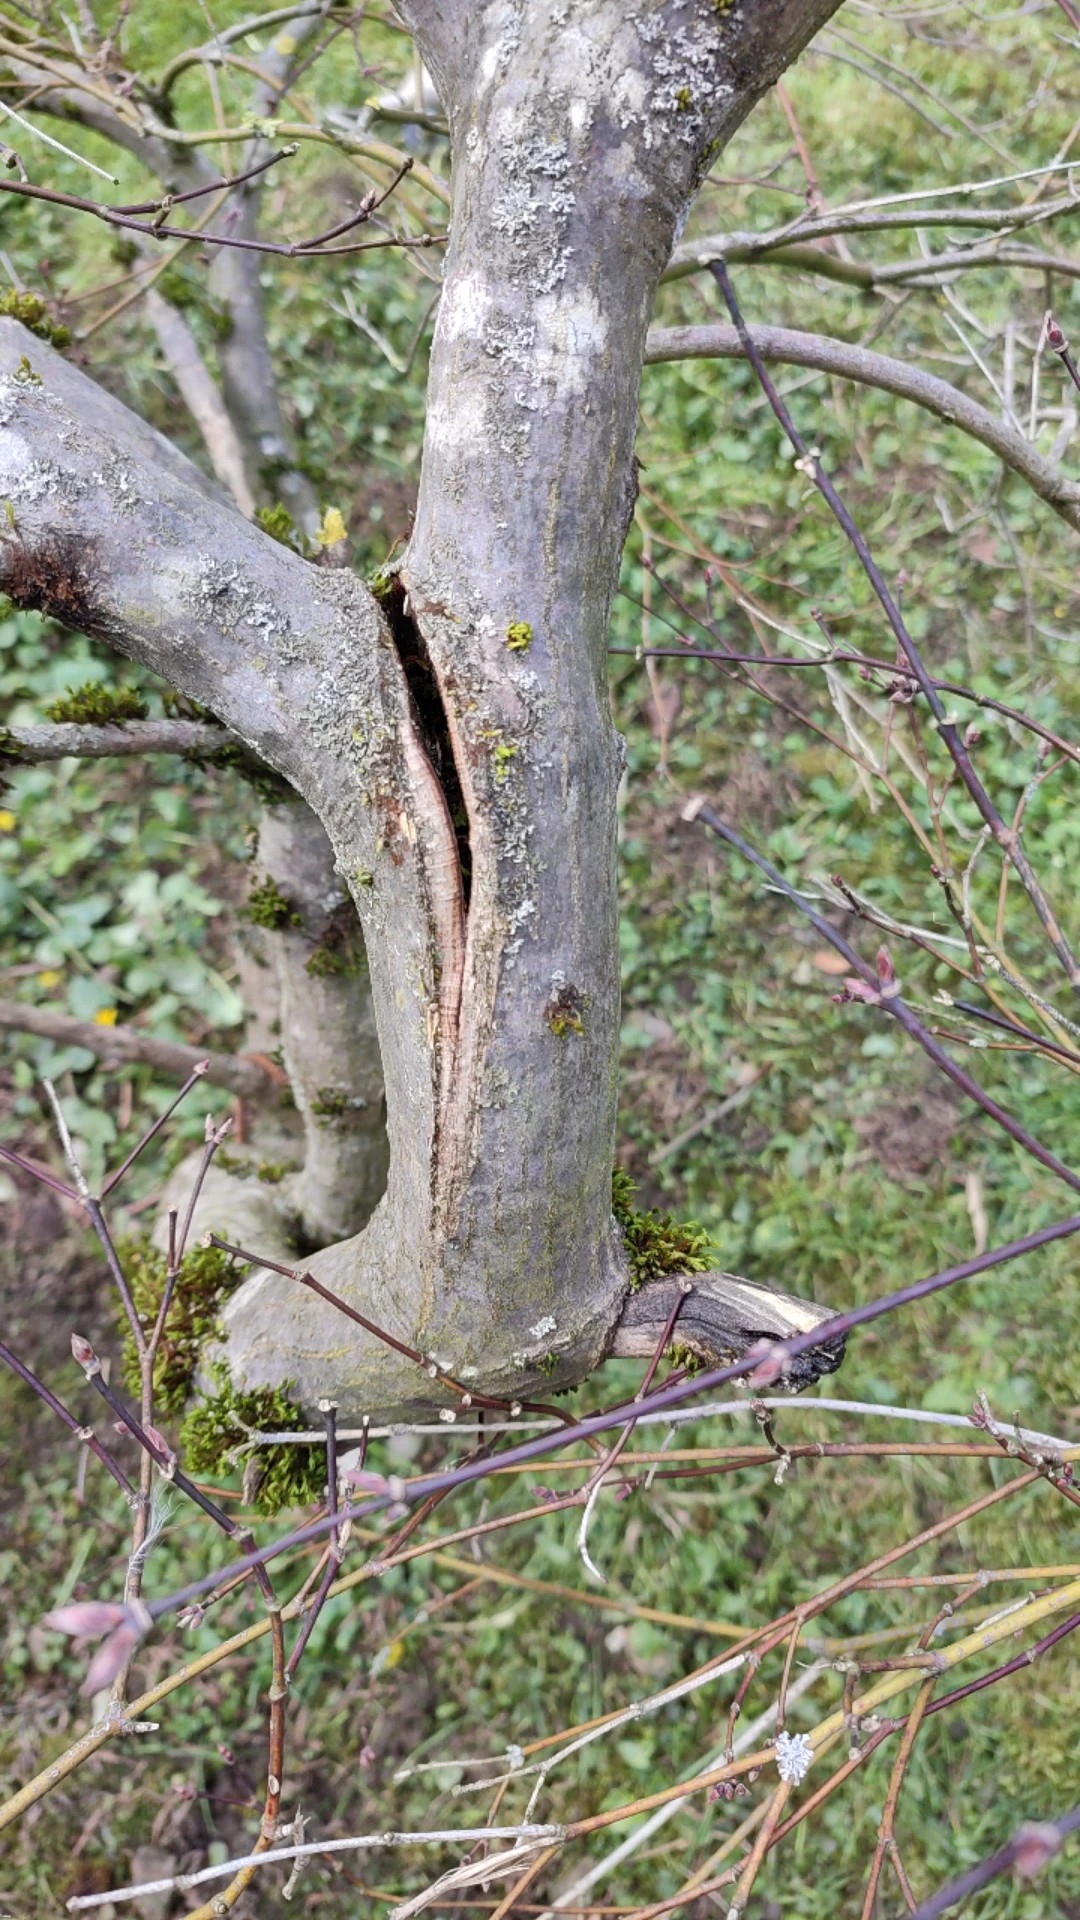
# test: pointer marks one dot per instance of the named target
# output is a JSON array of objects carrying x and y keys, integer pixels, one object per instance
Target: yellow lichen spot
[
  {"x": 332, "y": 530},
  {"x": 285, "y": 45},
  {"x": 7, "y": 820},
  {"x": 49, "y": 978},
  {"x": 106, "y": 1017}
]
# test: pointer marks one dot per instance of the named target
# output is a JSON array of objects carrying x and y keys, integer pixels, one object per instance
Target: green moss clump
[
  {"x": 179, "y": 707},
  {"x": 234, "y": 1164},
  {"x": 207, "y": 1278},
  {"x": 268, "y": 907},
  {"x": 340, "y": 950},
  {"x": 28, "y": 308},
  {"x": 324, "y": 962},
  {"x": 213, "y": 1430},
  {"x": 329, "y": 1103},
  {"x": 519, "y": 636},
  {"x": 93, "y": 705},
  {"x": 272, "y": 1172},
  {"x": 382, "y": 583},
  {"x": 686, "y": 1358},
  {"x": 565, "y": 1011},
  {"x": 9, "y": 746},
  {"x": 188, "y": 294},
  {"x": 278, "y": 522},
  {"x": 656, "y": 1243}
]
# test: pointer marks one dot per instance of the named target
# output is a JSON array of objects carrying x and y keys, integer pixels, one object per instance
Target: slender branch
[
  {"x": 1008, "y": 840},
  {"x": 159, "y": 228},
  {"x": 210, "y": 52},
  {"x": 1031, "y": 1847},
  {"x": 122, "y": 1046},
  {"x": 56, "y": 1406},
  {"x": 823, "y": 225},
  {"x": 25, "y": 745},
  {"x": 890, "y": 1001},
  {"x": 794, "y": 348},
  {"x": 198, "y": 1072},
  {"x": 445, "y": 1836},
  {"x": 151, "y": 1443}
]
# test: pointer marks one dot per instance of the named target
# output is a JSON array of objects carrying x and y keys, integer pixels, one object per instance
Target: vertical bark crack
[{"x": 430, "y": 723}]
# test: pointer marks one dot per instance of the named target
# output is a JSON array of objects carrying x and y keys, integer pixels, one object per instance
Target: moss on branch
[
  {"x": 656, "y": 1243},
  {"x": 95, "y": 705}
]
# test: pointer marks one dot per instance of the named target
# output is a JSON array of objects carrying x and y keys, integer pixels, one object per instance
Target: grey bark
[
  {"x": 64, "y": 740},
  {"x": 328, "y": 1038},
  {"x": 579, "y": 135}
]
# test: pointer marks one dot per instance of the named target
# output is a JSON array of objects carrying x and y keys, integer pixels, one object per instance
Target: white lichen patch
[
  {"x": 26, "y": 480},
  {"x": 223, "y": 595},
  {"x": 533, "y": 204},
  {"x": 685, "y": 80}
]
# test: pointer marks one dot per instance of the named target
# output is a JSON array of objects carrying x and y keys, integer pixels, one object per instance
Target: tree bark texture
[{"x": 452, "y": 731}]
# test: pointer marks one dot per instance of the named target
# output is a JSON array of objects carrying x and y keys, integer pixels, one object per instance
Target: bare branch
[
  {"x": 111, "y": 531},
  {"x": 446, "y": 1836},
  {"x": 121, "y": 1046},
  {"x": 23, "y": 746},
  {"x": 1032, "y": 1846},
  {"x": 869, "y": 369}
]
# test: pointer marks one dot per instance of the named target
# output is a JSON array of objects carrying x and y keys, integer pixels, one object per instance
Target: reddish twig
[
  {"x": 1009, "y": 841},
  {"x": 1031, "y": 1847},
  {"x": 886, "y": 994}
]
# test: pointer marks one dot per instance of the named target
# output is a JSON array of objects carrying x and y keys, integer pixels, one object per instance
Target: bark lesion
[
  {"x": 49, "y": 573},
  {"x": 430, "y": 720}
]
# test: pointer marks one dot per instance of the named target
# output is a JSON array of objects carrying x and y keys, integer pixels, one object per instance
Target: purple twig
[
  {"x": 1031, "y": 1847},
  {"x": 57, "y": 1406},
  {"x": 778, "y": 1353},
  {"x": 1022, "y": 1660},
  {"x": 152, "y": 1444},
  {"x": 1007, "y": 838},
  {"x": 114, "y": 1179},
  {"x": 889, "y": 999}
]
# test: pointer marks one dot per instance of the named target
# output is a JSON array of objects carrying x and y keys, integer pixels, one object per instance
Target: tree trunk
[{"x": 452, "y": 735}]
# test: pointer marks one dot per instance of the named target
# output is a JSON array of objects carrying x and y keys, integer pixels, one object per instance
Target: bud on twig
[
  {"x": 1034, "y": 1847},
  {"x": 886, "y": 973},
  {"x": 84, "y": 1356}
]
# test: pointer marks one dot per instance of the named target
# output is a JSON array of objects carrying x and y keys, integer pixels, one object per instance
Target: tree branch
[
  {"x": 121, "y": 1046},
  {"x": 721, "y": 1317},
  {"x": 721, "y": 342},
  {"x": 23, "y": 746},
  {"x": 112, "y": 531},
  {"x": 201, "y": 397}
]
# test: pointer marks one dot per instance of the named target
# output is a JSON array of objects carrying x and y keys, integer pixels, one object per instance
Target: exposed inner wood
[{"x": 444, "y": 821}]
